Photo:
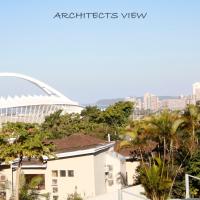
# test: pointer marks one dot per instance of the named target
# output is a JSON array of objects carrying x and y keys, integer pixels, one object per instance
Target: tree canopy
[
  {"x": 20, "y": 141},
  {"x": 92, "y": 121},
  {"x": 174, "y": 137}
]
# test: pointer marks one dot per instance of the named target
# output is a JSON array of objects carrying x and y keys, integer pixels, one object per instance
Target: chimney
[{"x": 108, "y": 137}]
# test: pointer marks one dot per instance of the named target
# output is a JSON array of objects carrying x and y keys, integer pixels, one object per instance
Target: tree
[
  {"x": 19, "y": 141},
  {"x": 163, "y": 128},
  {"x": 193, "y": 168},
  {"x": 156, "y": 178},
  {"x": 190, "y": 143},
  {"x": 91, "y": 121},
  {"x": 117, "y": 115},
  {"x": 192, "y": 125},
  {"x": 162, "y": 133},
  {"x": 92, "y": 114},
  {"x": 58, "y": 125}
]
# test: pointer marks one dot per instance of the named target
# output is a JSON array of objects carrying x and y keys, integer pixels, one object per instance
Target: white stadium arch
[{"x": 36, "y": 107}]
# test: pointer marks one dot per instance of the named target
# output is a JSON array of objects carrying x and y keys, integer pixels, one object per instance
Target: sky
[{"x": 92, "y": 59}]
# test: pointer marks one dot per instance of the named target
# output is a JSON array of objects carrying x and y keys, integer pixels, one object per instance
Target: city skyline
[
  {"x": 90, "y": 59},
  {"x": 25, "y": 88}
]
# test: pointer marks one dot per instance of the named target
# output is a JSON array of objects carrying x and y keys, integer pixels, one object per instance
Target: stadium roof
[{"x": 34, "y": 108}]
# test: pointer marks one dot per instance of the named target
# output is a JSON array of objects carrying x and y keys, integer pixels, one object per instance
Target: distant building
[
  {"x": 196, "y": 91},
  {"x": 151, "y": 102},
  {"x": 174, "y": 104},
  {"x": 84, "y": 164},
  {"x": 131, "y": 99},
  {"x": 137, "y": 102}
]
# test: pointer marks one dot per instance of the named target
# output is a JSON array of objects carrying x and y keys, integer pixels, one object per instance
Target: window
[
  {"x": 62, "y": 173},
  {"x": 3, "y": 195},
  {"x": 2, "y": 178},
  {"x": 55, "y": 197},
  {"x": 55, "y": 173},
  {"x": 30, "y": 177},
  {"x": 55, "y": 189},
  {"x": 54, "y": 181},
  {"x": 71, "y": 173}
]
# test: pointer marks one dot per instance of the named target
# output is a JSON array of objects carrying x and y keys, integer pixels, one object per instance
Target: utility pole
[
  {"x": 187, "y": 186},
  {"x": 119, "y": 194}
]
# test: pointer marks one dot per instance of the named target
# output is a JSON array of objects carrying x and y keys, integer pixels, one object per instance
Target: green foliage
[
  {"x": 192, "y": 126},
  {"x": 22, "y": 140},
  {"x": 193, "y": 168},
  {"x": 74, "y": 196},
  {"x": 156, "y": 179},
  {"x": 29, "y": 191},
  {"x": 11, "y": 128},
  {"x": 117, "y": 115},
  {"x": 58, "y": 125},
  {"x": 27, "y": 141},
  {"x": 164, "y": 125},
  {"x": 91, "y": 121},
  {"x": 174, "y": 137},
  {"x": 92, "y": 114},
  {"x": 190, "y": 135}
]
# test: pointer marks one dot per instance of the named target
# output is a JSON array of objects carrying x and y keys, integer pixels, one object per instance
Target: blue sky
[{"x": 92, "y": 59}]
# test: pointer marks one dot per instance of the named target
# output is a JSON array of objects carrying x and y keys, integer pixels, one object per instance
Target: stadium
[{"x": 34, "y": 108}]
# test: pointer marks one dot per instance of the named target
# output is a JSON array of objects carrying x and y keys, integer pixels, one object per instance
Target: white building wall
[
  {"x": 117, "y": 162},
  {"x": 99, "y": 173},
  {"x": 131, "y": 171},
  {"x": 89, "y": 175},
  {"x": 82, "y": 182},
  {"x": 8, "y": 181}
]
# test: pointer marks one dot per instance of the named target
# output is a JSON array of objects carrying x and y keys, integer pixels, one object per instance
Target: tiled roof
[
  {"x": 77, "y": 142},
  {"x": 134, "y": 150},
  {"x": 71, "y": 143}
]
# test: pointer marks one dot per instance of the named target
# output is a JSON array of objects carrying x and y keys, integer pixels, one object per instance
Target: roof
[
  {"x": 52, "y": 96},
  {"x": 71, "y": 146},
  {"x": 32, "y": 163},
  {"x": 30, "y": 100},
  {"x": 134, "y": 151},
  {"x": 77, "y": 142}
]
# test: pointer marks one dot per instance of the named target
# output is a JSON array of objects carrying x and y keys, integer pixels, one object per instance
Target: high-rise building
[
  {"x": 196, "y": 91},
  {"x": 137, "y": 102},
  {"x": 151, "y": 102}
]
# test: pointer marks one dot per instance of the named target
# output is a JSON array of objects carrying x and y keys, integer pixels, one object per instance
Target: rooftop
[
  {"x": 77, "y": 142},
  {"x": 134, "y": 151},
  {"x": 74, "y": 145}
]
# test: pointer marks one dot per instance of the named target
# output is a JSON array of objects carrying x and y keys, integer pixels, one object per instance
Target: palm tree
[
  {"x": 192, "y": 124},
  {"x": 155, "y": 179},
  {"x": 165, "y": 127},
  {"x": 28, "y": 143},
  {"x": 162, "y": 129}
]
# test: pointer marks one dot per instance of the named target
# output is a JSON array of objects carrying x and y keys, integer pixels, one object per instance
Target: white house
[{"x": 83, "y": 164}]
